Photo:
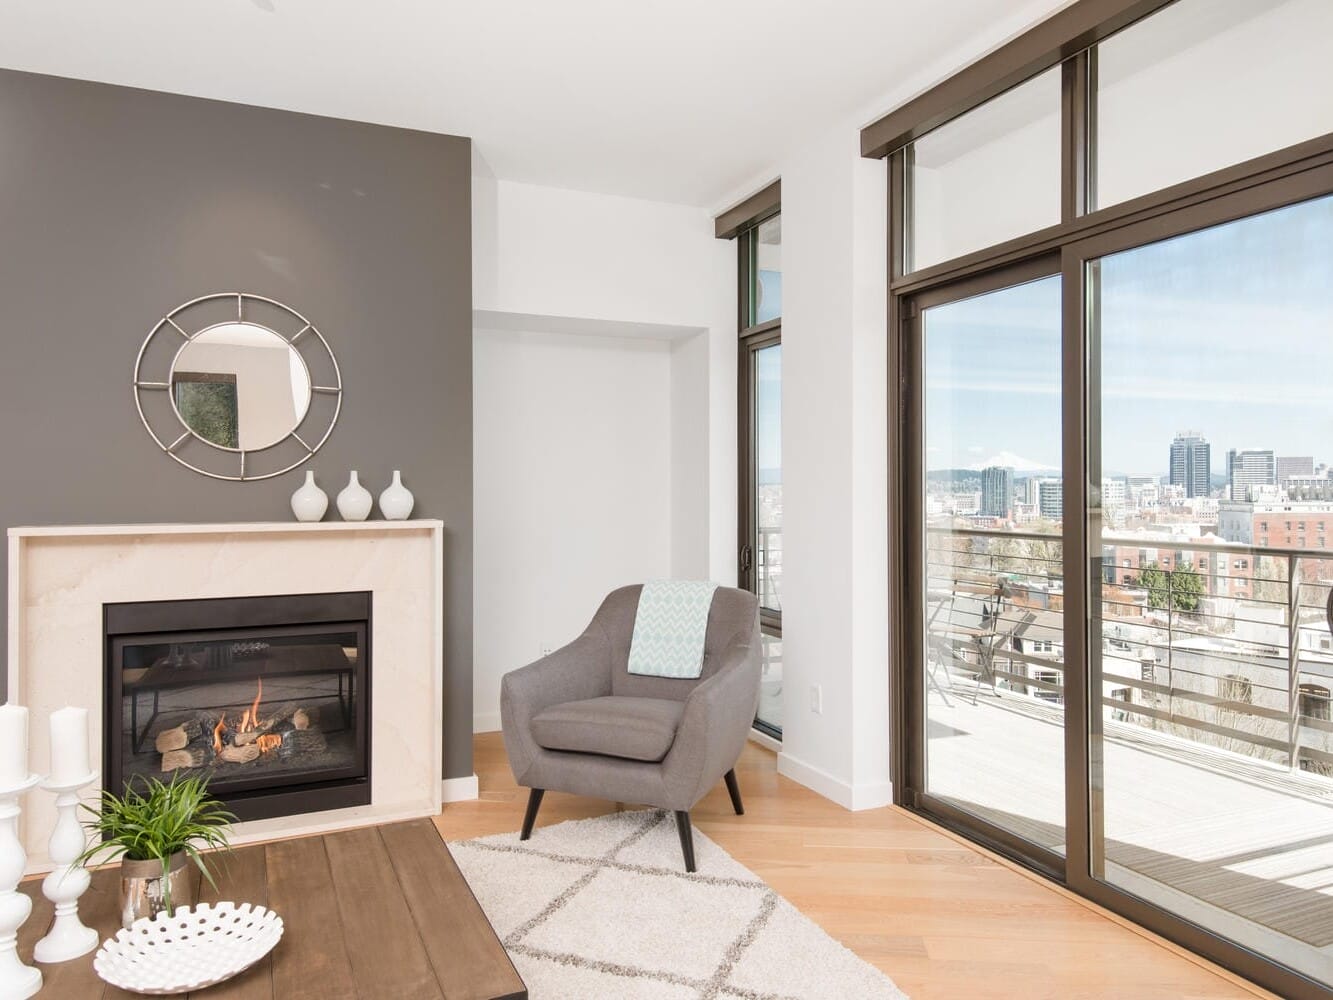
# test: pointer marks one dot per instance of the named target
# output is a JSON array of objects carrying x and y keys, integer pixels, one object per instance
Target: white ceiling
[{"x": 676, "y": 100}]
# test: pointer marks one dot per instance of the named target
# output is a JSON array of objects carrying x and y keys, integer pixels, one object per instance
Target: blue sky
[{"x": 1228, "y": 331}]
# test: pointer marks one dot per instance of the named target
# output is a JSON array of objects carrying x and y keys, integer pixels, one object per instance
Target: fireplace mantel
[
  {"x": 61, "y": 576},
  {"x": 229, "y": 528}
]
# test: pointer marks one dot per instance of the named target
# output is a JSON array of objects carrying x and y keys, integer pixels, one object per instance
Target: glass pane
[
  {"x": 767, "y": 271},
  {"x": 994, "y": 658},
  {"x": 768, "y": 475},
  {"x": 1203, "y": 84},
  {"x": 252, "y": 709},
  {"x": 770, "y": 683},
  {"x": 987, "y": 176},
  {"x": 1212, "y": 651}
]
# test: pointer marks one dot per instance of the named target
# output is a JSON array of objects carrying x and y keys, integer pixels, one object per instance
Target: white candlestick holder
[
  {"x": 68, "y": 937},
  {"x": 16, "y": 979}
]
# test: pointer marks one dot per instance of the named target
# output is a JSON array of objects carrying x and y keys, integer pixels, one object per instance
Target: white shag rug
[{"x": 603, "y": 908}]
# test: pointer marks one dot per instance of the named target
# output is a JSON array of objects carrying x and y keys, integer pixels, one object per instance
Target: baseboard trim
[
  {"x": 875, "y": 795},
  {"x": 765, "y": 741},
  {"x": 459, "y": 789},
  {"x": 851, "y": 797},
  {"x": 485, "y": 722}
]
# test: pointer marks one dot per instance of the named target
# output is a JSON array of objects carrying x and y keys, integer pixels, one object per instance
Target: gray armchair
[{"x": 577, "y": 720}]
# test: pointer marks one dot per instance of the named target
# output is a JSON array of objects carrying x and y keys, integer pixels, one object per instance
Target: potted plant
[{"x": 156, "y": 832}]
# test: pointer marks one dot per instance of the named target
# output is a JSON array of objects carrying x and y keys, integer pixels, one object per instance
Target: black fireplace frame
[{"x": 213, "y": 618}]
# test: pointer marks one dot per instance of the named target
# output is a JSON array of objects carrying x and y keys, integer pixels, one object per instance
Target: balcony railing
[
  {"x": 769, "y": 566},
  {"x": 1175, "y": 649}
]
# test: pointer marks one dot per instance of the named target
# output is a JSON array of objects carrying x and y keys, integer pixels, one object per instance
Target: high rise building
[
  {"x": 1191, "y": 464},
  {"x": 1249, "y": 467},
  {"x": 1289, "y": 466},
  {"x": 997, "y": 491},
  {"x": 1114, "y": 493},
  {"x": 1029, "y": 490},
  {"x": 1051, "y": 499}
]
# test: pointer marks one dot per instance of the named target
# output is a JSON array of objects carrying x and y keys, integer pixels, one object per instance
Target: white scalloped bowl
[{"x": 197, "y": 946}]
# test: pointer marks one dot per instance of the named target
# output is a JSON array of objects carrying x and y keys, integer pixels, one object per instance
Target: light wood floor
[{"x": 940, "y": 917}]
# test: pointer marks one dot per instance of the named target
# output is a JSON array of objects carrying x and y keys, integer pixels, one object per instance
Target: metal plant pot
[{"x": 145, "y": 891}]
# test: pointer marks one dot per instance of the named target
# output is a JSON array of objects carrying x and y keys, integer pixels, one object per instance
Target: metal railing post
[
  {"x": 1170, "y": 648},
  {"x": 1293, "y": 662}
]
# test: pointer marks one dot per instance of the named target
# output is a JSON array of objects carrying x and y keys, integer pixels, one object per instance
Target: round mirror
[{"x": 240, "y": 386}]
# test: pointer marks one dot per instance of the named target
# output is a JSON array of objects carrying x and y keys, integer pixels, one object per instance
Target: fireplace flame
[
  {"x": 269, "y": 741},
  {"x": 250, "y": 720},
  {"x": 217, "y": 733}
]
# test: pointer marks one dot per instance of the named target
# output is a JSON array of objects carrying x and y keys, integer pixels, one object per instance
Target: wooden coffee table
[{"x": 376, "y": 912}]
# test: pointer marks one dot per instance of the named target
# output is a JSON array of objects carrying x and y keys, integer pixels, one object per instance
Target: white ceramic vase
[
  {"x": 354, "y": 501},
  {"x": 309, "y": 502},
  {"x": 396, "y": 501}
]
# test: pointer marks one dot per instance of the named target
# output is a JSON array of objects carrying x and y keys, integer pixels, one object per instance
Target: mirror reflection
[{"x": 240, "y": 385}]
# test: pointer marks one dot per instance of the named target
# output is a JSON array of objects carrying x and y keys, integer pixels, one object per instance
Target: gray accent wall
[{"x": 116, "y": 205}]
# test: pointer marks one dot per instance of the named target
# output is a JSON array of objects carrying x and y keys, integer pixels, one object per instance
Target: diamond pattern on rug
[
  {"x": 558, "y": 979},
  {"x": 639, "y": 906},
  {"x": 603, "y": 908}
]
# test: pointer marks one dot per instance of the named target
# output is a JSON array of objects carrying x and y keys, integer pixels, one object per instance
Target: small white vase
[
  {"x": 309, "y": 502},
  {"x": 354, "y": 500},
  {"x": 396, "y": 501}
]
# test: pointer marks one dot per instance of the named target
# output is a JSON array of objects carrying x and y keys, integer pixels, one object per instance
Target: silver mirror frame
[{"x": 181, "y": 432}]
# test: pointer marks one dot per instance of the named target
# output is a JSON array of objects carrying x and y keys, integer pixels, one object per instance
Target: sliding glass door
[
  {"x": 1119, "y": 565},
  {"x": 1210, "y": 559},
  {"x": 991, "y": 678}
]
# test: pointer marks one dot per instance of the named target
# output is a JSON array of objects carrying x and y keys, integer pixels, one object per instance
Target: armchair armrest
[
  {"x": 577, "y": 671},
  {"x": 716, "y": 722}
]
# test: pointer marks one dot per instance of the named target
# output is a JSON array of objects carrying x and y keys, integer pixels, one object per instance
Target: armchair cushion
[{"x": 614, "y": 726}]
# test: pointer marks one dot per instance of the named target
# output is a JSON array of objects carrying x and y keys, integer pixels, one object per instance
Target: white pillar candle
[
  {"x": 13, "y": 745},
  {"x": 69, "y": 746}
]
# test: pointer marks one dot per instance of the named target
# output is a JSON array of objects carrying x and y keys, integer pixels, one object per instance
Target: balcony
[{"x": 1216, "y": 750}]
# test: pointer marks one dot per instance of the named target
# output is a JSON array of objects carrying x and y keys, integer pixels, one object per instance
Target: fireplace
[{"x": 267, "y": 697}]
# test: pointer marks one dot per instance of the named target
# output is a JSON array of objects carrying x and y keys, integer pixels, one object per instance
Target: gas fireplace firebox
[{"x": 267, "y": 697}]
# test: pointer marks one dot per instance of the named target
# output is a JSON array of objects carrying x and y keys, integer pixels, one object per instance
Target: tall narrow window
[{"x": 760, "y": 397}]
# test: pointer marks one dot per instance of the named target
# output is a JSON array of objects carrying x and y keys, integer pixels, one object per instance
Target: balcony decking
[{"x": 1234, "y": 832}]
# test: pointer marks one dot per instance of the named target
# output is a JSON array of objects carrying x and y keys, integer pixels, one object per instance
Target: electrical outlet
[
  {"x": 817, "y": 699},
  {"x": 548, "y": 648}
]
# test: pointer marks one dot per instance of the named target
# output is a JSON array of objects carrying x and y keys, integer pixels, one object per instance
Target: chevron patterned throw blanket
[{"x": 669, "y": 628}]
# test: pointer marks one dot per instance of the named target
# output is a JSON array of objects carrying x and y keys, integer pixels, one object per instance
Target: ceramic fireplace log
[
  {"x": 178, "y": 737},
  {"x": 239, "y": 754},
  {"x": 189, "y": 757}
]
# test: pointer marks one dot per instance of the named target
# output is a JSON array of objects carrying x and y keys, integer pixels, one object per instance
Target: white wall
[
  {"x": 604, "y": 327},
  {"x": 834, "y": 417},
  {"x": 573, "y": 488}
]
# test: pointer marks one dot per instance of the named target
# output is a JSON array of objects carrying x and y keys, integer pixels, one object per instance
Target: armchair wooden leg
[
  {"x": 530, "y": 816},
  {"x": 734, "y": 790},
  {"x": 686, "y": 838}
]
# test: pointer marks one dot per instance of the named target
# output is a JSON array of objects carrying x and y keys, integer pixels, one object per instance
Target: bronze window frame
[
  {"x": 1288, "y": 176},
  {"x": 751, "y": 338}
]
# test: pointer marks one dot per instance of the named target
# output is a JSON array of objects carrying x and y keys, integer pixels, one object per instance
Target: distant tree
[
  {"x": 1186, "y": 587},
  {"x": 1154, "y": 580}
]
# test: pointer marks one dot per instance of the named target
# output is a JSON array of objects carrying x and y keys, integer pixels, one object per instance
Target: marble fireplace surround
[{"x": 59, "y": 578}]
